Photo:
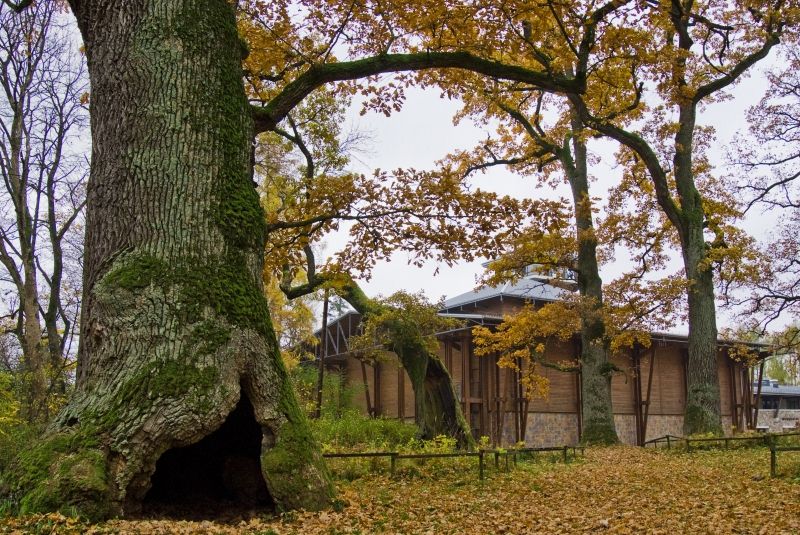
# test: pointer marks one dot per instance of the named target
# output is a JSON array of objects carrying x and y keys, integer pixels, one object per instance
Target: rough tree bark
[
  {"x": 175, "y": 327},
  {"x": 596, "y": 407},
  {"x": 438, "y": 411},
  {"x": 685, "y": 210}
]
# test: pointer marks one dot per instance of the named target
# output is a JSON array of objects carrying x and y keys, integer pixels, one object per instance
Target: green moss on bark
[
  {"x": 64, "y": 472},
  {"x": 293, "y": 466},
  {"x": 699, "y": 416},
  {"x": 699, "y": 420},
  {"x": 599, "y": 434},
  {"x": 219, "y": 283}
]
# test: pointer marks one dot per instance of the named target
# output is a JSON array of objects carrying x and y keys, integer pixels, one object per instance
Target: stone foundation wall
[
  {"x": 557, "y": 429},
  {"x": 626, "y": 428},
  {"x": 659, "y": 426},
  {"x": 783, "y": 420},
  {"x": 546, "y": 429}
]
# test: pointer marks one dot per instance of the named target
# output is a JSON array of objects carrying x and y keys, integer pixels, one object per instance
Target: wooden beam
[
  {"x": 578, "y": 349},
  {"x": 378, "y": 406},
  {"x": 401, "y": 392},
  {"x": 649, "y": 389},
  {"x": 637, "y": 394},
  {"x": 758, "y": 394},
  {"x": 465, "y": 376},
  {"x": 485, "y": 382},
  {"x": 498, "y": 411},
  {"x": 732, "y": 387},
  {"x": 747, "y": 396},
  {"x": 366, "y": 386}
]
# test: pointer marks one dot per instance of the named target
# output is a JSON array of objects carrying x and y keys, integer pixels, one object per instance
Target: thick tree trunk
[
  {"x": 175, "y": 328},
  {"x": 703, "y": 412},
  {"x": 596, "y": 408},
  {"x": 437, "y": 409}
]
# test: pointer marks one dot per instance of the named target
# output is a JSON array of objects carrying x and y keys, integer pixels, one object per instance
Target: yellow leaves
[
  {"x": 402, "y": 321},
  {"x": 615, "y": 490}
]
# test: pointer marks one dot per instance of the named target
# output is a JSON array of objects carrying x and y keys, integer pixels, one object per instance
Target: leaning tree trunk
[
  {"x": 175, "y": 329},
  {"x": 437, "y": 409},
  {"x": 596, "y": 407}
]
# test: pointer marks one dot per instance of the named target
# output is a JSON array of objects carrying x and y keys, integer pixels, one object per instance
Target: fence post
[
  {"x": 480, "y": 464},
  {"x": 393, "y": 458},
  {"x": 669, "y": 444},
  {"x": 497, "y": 460},
  {"x": 773, "y": 461},
  {"x": 688, "y": 446}
]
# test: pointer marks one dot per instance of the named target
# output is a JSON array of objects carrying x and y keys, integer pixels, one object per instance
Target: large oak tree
[{"x": 176, "y": 340}]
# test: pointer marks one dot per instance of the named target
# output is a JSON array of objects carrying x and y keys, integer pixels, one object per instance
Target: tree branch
[
  {"x": 267, "y": 117},
  {"x": 750, "y": 60},
  {"x": 18, "y": 6}
]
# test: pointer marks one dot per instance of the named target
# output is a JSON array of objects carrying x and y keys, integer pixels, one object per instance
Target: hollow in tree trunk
[{"x": 176, "y": 338}]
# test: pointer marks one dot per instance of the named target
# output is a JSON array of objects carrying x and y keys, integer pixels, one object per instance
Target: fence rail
[
  {"x": 767, "y": 439},
  {"x": 394, "y": 456},
  {"x": 773, "y": 457}
]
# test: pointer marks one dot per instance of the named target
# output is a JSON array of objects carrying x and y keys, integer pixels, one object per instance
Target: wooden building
[{"x": 648, "y": 394}]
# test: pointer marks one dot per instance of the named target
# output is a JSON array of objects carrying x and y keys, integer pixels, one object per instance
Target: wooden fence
[
  {"x": 769, "y": 439},
  {"x": 480, "y": 455}
]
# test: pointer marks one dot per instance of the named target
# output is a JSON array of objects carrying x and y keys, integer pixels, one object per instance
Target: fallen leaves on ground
[{"x": 614, "y": 490}]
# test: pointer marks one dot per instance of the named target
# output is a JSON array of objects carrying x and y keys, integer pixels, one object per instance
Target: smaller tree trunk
[{"x": 598, "y": 417}]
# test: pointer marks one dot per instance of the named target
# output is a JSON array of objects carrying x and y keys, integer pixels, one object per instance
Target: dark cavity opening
[{"x": 216, "y": 477}]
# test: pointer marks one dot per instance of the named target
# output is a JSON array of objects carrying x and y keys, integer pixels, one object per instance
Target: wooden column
[
  {"x": 366, "y": 387},
  {"x": 401, "y": 392},
  {"x": 465, "y": 376},
  {"x": 758, "y": 394},
  {"x": 637, "y": 393},
  {"x": 323, "y": 355},
  {"x": 747, "y": 397},
  {"x": 734, "y": 406},
  {"x": 649, "y": 390},
  {"x": 498, "y": 407},
  {"x": 376, "y": 370}
]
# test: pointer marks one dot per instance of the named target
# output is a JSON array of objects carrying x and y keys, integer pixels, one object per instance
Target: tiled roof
[
  {"x": 780, "y": 390},
  {"x": 527, "y": 288}
]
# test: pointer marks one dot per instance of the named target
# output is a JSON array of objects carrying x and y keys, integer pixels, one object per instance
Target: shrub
[{"x": 351, "y": 431}]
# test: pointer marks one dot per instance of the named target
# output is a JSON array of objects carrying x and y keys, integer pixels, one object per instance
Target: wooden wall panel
[
  {"x": 389, "y": 388},
  {"x": 724, "y": 375},
  {"x": 669, "y": 388},
  {"x": 622, "y": 399},
  {"x": 562, "y": 397},
  {"x": 355, "y": 381}
]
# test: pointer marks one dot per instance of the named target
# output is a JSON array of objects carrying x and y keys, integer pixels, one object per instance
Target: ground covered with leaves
[{"x": 613, "y": 490}]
